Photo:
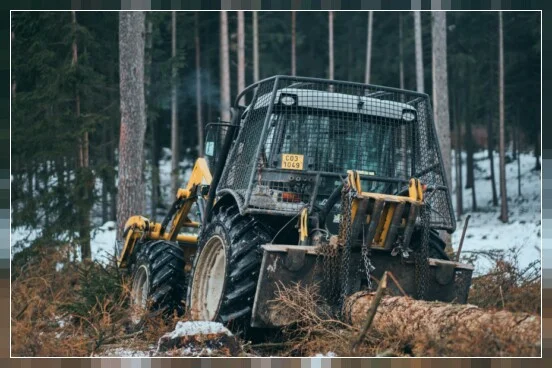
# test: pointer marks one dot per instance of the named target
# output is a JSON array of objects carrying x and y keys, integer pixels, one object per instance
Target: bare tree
[
  {"x": 84, "y": 208},
  {"x": 440, "y": 94},
  {"x": 503, "y": 194},
  {"x": 419, "y": 52},
  {"x": 175, "y": 146},
  {"x": 369, "y": 48},
  {"x": 293, "y": 40},
  {"x": 155, "y": 193},
  {"x": 198, "y": 87},
  {"x": 330, "y": 46},
  {"x": 241, "y": 53},
  {"x": 440, "y": 87},
  {"x": 224, "y": 68},
  {"x": 491, "y": 136},
  {"x": 401, "y": 58},
  {"x": 130, "y": 200},
  {"x": 255, "y": 47}
]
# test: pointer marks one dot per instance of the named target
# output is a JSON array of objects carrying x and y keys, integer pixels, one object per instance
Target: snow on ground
[
  {"x": 190, "y": 328},
  {"x": 485, "y": 231}
]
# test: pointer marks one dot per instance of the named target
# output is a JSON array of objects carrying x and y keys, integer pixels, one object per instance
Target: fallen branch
[{"x": 382, "y": 286}]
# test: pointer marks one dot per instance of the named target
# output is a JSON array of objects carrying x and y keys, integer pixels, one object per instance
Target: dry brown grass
[{"x": 77, "y": 310}]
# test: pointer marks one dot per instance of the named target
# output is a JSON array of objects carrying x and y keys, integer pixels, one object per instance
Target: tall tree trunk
[
  {"x": 293, "y": 30},
  {"x": 503, "y": 193},
  {"x": 130, "y": 200},
  {"x": 538, "y": 152},
  {"x": 241, "y": 53},
  {"x": 401, "y": 58},
  {"x": 330, "y": 46},
  {"x": 440, "y": 95},
  {"x": 84, "y": 176},
  {"x": 440, "y": 88},
  {"x": 490, "y": 150},
  {"x": 154, "y": 200},
  {"x": 198, "y": 87},
  {"x": 368, "y": 48},
  {"x": 105, "y": 204},
  {"x": 419, "y": 52},
  {"x": 517, "y": 138},
  {"x": 255, "y": 47},
  {"x": 175, "y": 141},
  {"x": 224, "y": 68},
  {"x": 458, "y": 151}
]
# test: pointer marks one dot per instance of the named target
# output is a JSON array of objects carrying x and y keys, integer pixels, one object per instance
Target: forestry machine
[{"x": 321, "y": 183}]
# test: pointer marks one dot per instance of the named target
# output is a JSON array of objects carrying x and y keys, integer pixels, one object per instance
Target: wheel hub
[{"x": 208, "y": 280}]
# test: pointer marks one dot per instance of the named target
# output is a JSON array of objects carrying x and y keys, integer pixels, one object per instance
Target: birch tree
[
  {"x": 503, "y": 194},
  {"x": 175, "y": 147},
  {"x": 419, "y": 52},
  {"x": 224, "y": 68},
  {"x": 255, "y": 47},
  {"x": 369, "y": 48},
  {"x": 130, "y": 199},
  {"x": 241, "y": 53}
]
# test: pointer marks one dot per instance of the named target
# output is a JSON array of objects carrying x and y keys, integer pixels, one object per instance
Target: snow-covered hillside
[{"x": 485, "y": 230}]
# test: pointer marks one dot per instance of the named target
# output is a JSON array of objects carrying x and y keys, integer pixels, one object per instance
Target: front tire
[
  {"x": 158, "y": 280},
  {"x": 226, "y": 269}
]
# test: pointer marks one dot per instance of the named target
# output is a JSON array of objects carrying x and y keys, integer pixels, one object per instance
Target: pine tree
[
  {"x": 419, "y": 53},
  {"x": 369, "y": 47},
  {"x": 224, "y": 68},
  {"x": 130, "y": 199},
  {"x": 503, "y": 194}
]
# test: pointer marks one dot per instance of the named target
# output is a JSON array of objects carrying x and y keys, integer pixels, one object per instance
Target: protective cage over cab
[{"x": 298, "y": 137}]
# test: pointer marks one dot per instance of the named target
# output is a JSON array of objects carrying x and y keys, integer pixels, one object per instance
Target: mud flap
[{"x": 287, "y": 265}]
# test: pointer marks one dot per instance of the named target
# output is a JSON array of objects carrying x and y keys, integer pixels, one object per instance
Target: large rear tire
[
  {"x": 158, "y": 280},
  {"x": 226, "y": 269}
]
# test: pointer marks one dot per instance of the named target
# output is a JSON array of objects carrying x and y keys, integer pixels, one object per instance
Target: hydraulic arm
[{"x": 141, "y": 228}]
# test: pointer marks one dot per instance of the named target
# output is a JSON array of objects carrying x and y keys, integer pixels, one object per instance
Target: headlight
[
  {"x": 287, "y": 100},
  {"x": 408, "y": 116}
]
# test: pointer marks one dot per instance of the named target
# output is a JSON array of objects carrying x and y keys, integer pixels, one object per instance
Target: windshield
[{"x": 335, "y": 142}]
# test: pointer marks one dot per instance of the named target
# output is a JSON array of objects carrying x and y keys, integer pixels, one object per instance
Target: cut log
[{"x": 435, "y": 328}]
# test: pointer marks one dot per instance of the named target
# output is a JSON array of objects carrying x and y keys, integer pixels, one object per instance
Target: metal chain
[
  {"x": 368, "y": 267},
  {"x": 345, "y": 229},
  {"x": 422, "y": 254}
]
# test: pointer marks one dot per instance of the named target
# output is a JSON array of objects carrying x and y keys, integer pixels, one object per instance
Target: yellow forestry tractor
[{"x": 315, "y": 182}]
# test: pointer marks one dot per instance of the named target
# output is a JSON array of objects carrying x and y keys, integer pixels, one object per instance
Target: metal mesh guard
[{"x": 299, "y": 136}]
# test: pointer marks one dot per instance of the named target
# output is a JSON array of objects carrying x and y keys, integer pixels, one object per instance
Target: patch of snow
[
  {"x": 22, "y": 237},
  {"x": 485, "y": 231},
  {"x": 190, "y": 328},
  {"x": 102, "y": 242},
  {"x": 329, "y": 354},
  {"x": 124, "y": 352}
]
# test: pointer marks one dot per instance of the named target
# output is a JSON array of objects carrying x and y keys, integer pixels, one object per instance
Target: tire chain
[{"x": 422, "y": 255}]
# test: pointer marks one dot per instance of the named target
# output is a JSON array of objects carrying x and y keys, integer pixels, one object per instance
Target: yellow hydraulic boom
[{"x": 141, "y": 228}]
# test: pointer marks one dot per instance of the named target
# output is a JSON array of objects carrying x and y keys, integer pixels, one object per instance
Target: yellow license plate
[{"x": 292, "y": 162}]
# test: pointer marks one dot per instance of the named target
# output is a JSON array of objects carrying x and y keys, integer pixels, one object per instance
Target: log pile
[{"x": 434, "y": 328}]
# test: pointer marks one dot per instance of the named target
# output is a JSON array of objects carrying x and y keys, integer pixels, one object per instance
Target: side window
[{"x": 214, "y": 138}]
